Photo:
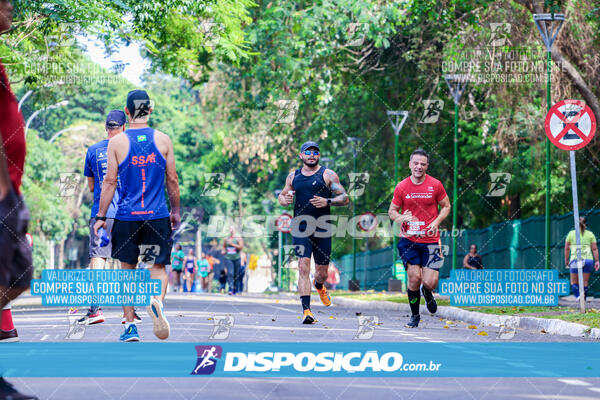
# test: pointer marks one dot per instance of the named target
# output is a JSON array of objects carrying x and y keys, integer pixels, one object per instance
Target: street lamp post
[
  {"x": 457, "y": 85},
  {"x": 354, "y": 284},
  {"x": 549, "y": 34},
  {"x": 35, "y": 114},
  {"x": 76, "y": 128},
  {"x": 397, "y": 124},
  {"x": 30, "y": 92}
]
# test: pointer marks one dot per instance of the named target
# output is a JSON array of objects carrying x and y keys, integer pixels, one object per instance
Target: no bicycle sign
[{"x": 570, "y": 124}]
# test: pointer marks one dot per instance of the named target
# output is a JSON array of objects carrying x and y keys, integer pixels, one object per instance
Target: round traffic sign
[
  {"x": 570, "y": 124},
  {"x": 283, "y": 223},
  {"x": 367, "y": 221}
]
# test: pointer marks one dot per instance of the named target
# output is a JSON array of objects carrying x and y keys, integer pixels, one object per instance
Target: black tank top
[
  {"x": 306, "y": 187},
  {"x": 475, "y": 262}
]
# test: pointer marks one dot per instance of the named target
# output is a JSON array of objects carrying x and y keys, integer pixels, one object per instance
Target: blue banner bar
[{"x": 339, "y": 359}]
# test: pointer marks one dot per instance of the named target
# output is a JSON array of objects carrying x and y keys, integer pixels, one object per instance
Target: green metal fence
[{"x": 511, "y": 244}]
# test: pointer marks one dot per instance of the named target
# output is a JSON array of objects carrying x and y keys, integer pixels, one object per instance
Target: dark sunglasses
[{"x": 309, "y": 152}]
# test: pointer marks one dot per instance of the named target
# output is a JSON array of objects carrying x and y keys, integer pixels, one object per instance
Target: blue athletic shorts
[
  {"x": 588, "y": 266},
  {"x": 423, "y": 254}
]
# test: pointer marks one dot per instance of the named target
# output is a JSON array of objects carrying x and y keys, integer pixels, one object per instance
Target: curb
[{"x": 552, "y": 326}]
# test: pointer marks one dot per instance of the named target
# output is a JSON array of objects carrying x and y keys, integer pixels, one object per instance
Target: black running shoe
[
  {"x": 429, "y": 300},
  {"x": 414, "y": 321},
  {"x": 7, "y": 391}
]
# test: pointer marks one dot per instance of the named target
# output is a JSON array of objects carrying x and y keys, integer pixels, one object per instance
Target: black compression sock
[
  {"x": 318, "y": 285},
  {"x": 305, "y": 302},
  {"x": 414, "y": 299}
]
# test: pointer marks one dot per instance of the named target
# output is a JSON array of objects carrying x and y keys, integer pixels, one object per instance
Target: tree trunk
[
  {"x": 514, "y": 208},
  {"x": 61, "y": 254}
]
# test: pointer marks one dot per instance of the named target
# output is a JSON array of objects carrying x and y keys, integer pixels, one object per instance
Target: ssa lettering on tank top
[{"x": 142, "y": 178}]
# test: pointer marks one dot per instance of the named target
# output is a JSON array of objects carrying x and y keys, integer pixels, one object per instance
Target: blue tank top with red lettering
[{"x": 142, "y": 179}]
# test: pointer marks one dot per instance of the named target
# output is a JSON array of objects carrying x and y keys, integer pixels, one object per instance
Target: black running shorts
[{"x": 150, "y": 239}]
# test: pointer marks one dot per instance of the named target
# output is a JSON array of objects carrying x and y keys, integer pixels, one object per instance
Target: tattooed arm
[{"x": 340, "y": 196}]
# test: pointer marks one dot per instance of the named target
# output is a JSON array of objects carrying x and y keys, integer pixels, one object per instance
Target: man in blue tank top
[
  {"x": 141, "y": 159},
  {"x": 95, "y": 169},
  {"x": 315, "y": 188}
]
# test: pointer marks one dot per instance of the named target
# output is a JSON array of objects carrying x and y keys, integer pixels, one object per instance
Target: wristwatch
[
  {"x": 99, "y": 218},
  {"x": 328, "y": 202}
]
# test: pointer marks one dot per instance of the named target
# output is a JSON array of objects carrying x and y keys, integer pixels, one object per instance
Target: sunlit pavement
[{"x": 276, "y": 318}]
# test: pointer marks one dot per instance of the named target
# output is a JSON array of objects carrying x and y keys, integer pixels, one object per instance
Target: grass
[{"x": 591, "y": 318}]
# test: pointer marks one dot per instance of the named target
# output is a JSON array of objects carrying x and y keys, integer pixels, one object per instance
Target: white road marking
[
  {"x": 44, "y": 337},
  {"x": 574, "y": 382},
  {"x": 594, "y": 389}
]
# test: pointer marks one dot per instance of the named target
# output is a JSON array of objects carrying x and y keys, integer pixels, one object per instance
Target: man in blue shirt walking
[
  {"x": 95, "y": 169},
  {"x": 141, "y": 162}
]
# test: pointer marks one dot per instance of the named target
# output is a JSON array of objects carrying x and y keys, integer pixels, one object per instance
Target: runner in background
[
  {"x": 233, "y": 245},
  {"x": 472, "y": 259},
  {"x": 177, "y": 265},
  {"x": 589, "y": 253},
  {"x": 189, "y": 273},
  {"x": 419, "y": 197},
  {"x": 203, "y": 269},
  {"x": 16, "y": 267}
]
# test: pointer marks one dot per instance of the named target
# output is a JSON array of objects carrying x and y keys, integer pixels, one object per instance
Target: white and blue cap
[{"x": 308, "y": 145}]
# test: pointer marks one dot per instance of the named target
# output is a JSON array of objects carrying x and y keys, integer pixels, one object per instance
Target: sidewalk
[{"x": 547, "y": 325}]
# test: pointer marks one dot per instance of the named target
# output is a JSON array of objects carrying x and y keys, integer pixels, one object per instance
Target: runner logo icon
[{"x": 207, "y": 359}]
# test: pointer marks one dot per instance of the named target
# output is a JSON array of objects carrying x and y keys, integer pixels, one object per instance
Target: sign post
[
  {"x": 570, "y": 125},
  {"x": 549, "y": 26}
]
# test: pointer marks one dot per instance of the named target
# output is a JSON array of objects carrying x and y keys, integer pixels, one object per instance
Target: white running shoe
[{"x": 161, "y": 325}]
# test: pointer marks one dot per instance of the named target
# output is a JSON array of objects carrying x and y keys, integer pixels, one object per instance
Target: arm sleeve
[{"x": 397, "y": 199}]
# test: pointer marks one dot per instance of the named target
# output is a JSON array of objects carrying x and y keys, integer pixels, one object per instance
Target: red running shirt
[
  {"x": 13, "y": 132},
  {"x": 422, "y": 201}
]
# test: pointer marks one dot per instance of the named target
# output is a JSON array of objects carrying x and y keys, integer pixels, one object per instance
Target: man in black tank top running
[{"x": 316, "y": 188}]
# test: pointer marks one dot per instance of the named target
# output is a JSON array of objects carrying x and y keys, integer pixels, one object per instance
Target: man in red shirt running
[
  {"x": 418, "y": 197},
  {"x": 15, "y": 253}
]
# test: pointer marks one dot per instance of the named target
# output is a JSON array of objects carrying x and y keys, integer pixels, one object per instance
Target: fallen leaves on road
[
  {"x": 472, "y": 327},
  {"x": 273, "y": 319},
  {"x": 446, "y": 327},
  {"x": 210, "y": 318},
  {"x": 332, "y": 317},
  {"x": 482, "y": 333},
  {"x": 543, "y": 331}
]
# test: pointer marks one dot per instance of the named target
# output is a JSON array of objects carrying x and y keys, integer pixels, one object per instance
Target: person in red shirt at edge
[
  {"x": 15, "y": 253},
  {"x": 418, "y": 197}
]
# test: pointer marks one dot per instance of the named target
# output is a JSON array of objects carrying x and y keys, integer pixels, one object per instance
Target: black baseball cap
[
  {"x": 308, "y": 145},
  {"x": 115, "y": 119},
  {"x": 137, "y": 100}
]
